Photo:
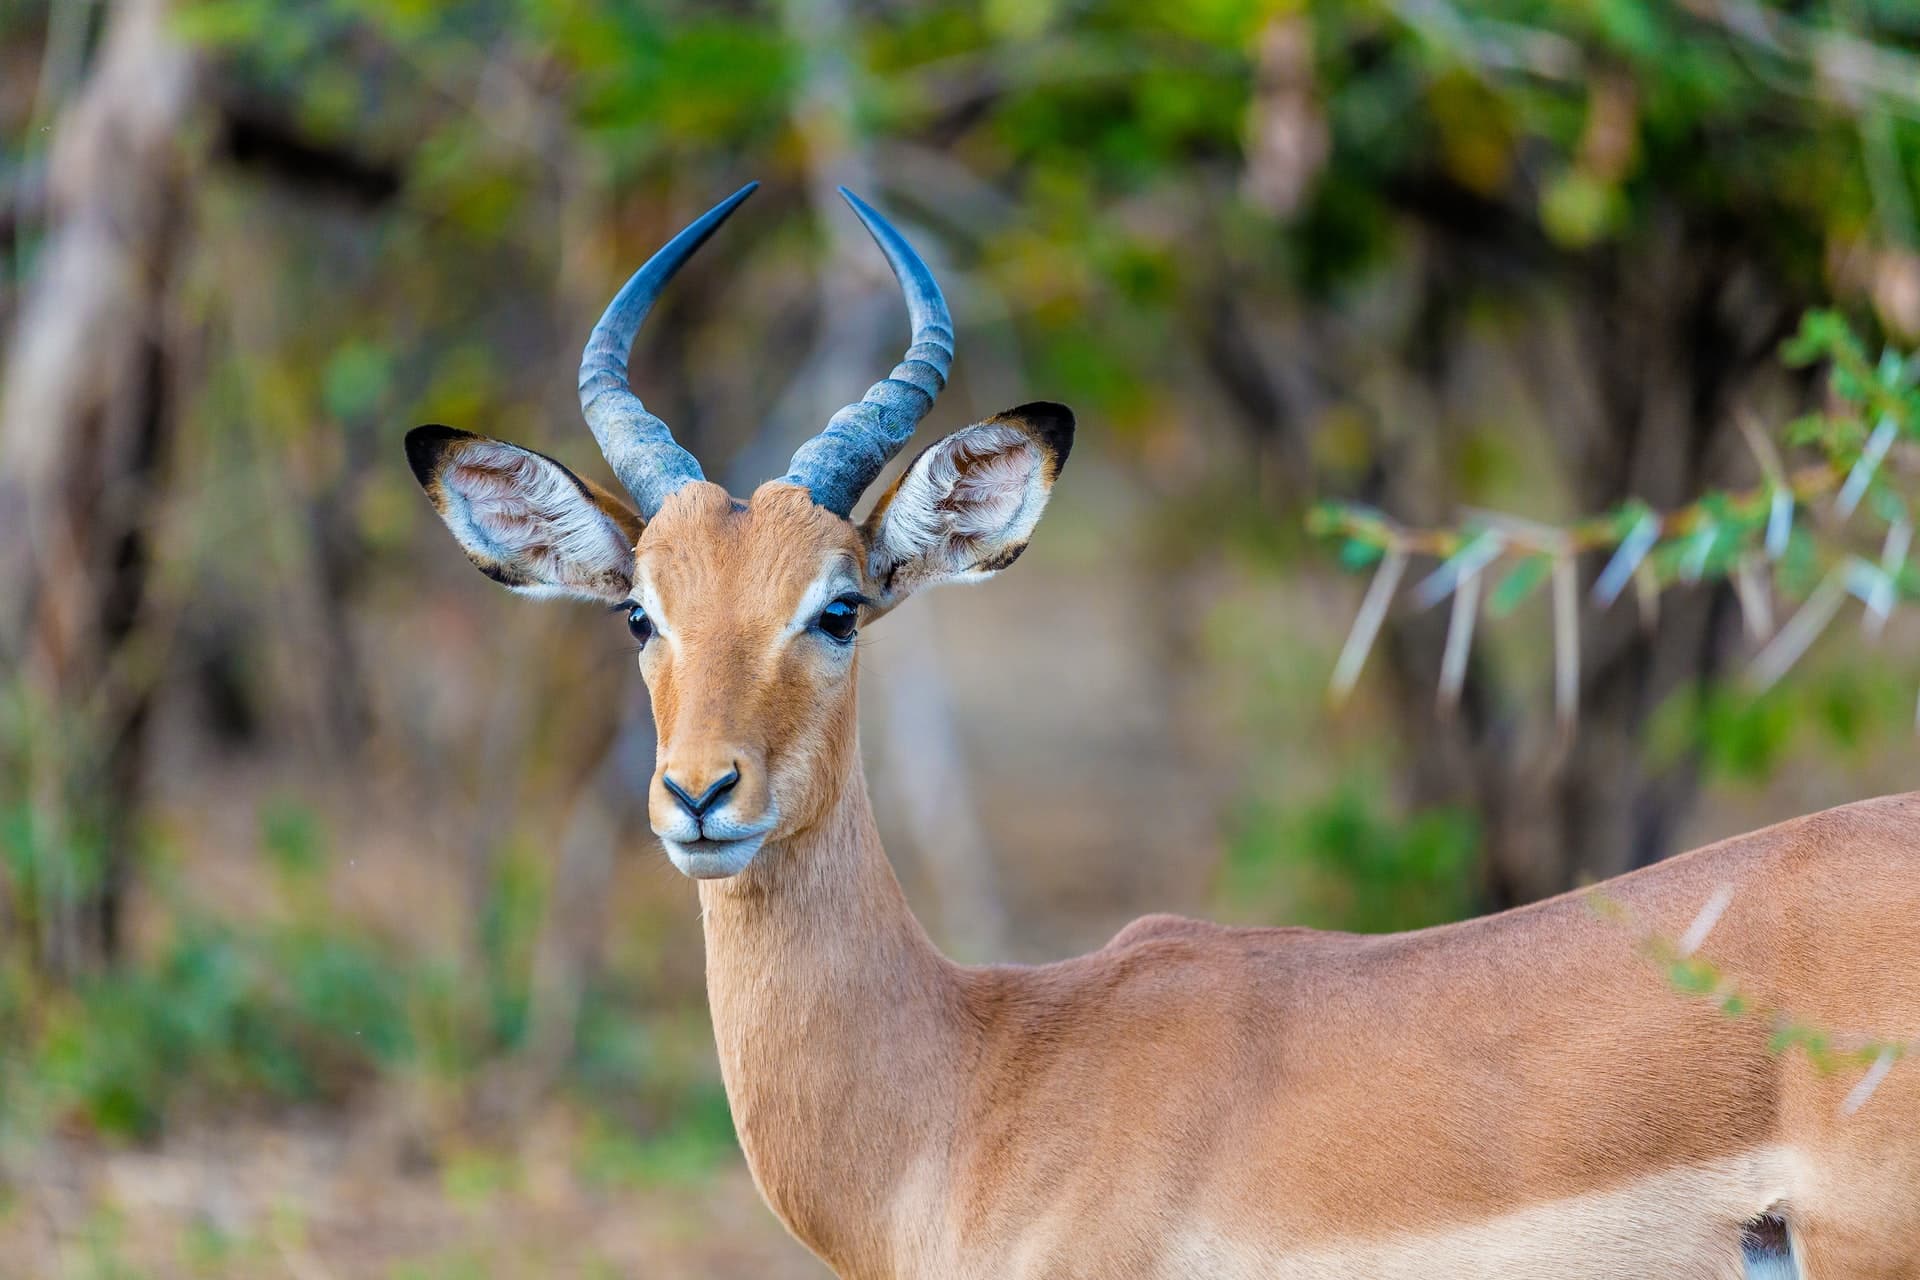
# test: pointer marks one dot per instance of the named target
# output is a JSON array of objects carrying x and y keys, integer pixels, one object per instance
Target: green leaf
[
  {"x": 1579, "y": 210},
  {"x": 1355, "y": 554},
  {"x": 356, "y": 379},
  {"x": 1520, "y": 582}
]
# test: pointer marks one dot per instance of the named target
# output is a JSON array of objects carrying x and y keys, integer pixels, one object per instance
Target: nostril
[
  {"x": 698, "y": 805},
  {"x": 713, "y": 794},
  {"x": 679, "y": 793}
]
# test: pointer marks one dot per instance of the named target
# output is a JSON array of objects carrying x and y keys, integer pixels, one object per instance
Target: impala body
[{"x": 1524, "y": 1095}]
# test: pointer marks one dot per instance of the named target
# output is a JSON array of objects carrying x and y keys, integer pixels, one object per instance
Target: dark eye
[
  {"x": 640, "y": 624},
  {"x": 837, "y": 620}
]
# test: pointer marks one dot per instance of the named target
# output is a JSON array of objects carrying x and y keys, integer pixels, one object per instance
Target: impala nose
[{"x": 698, "y": 805}]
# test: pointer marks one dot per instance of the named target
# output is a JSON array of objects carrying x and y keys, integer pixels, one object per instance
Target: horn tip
[
  {"x": 727, "y": 206},
  {"x": 882, "y": 231}
]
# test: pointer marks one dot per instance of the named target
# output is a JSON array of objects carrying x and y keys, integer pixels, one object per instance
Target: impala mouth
[{"x": 712, "y": 859}]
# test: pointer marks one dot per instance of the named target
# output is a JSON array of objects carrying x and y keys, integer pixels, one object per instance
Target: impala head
[{"x": 746, "y": 612}]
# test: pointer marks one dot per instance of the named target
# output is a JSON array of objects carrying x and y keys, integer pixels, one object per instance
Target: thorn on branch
[
  {"x": 1858, "y": 1095},
  {"x": 1710, "y": 913},
  {"x": 1626, "y": 560},
  {"x": 1801, "y": 631},
  {"x": 1779, "y": 522},
  {"x": 1875, "y": 452},
  {"x": 1566, "y": 641},
  {"x": 1373, "y": 611},
  {"x": 1748, "y": 536},
  {"x": 1699, "y": 550},
  {"x": 1756, "y": 602},
  {"x": 1884, "y": 589},
  {"x": 1480, "y": 551},
  {"x": 1453, "y": 661}
]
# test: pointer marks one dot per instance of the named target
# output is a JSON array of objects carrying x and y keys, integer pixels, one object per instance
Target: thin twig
[
  {"x": 1373, "y": 611},
  {"x": 1453, "y": 661},
  {"x": 1801, "y": 631},
  {"x": 1858, "y": 1095},
  {"x": 1875, "y": 452},
  {"x": 1756, "y": 602},
  {"x": 1566, "y": 641}
]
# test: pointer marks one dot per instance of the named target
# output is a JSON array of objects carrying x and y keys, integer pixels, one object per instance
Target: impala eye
[
  {"x": 640, "y": 624},
  {"x": 838, "y": 619}
]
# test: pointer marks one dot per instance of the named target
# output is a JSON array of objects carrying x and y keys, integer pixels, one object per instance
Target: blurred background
[{"x": 332, "y": 938}]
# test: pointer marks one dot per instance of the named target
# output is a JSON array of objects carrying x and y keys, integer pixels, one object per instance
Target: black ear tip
[
  {"x": 426, "y": 443},
  {"x": 1052, "y": 423}
]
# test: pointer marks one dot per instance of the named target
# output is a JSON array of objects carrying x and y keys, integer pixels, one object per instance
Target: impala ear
[
  {"x": 525, "y": 520},
  {"x": 966, "y": 506}
]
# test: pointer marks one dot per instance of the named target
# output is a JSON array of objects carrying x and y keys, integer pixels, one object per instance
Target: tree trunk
[
  {"x": 1667, "y": 340},
  {"x": 85, "y": 424}
]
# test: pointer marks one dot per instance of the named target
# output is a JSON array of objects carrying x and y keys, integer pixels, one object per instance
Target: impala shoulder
[
  {"x": 1161, "y": 925},
  {"x": 1223, "y": 939},
  {"x": 1900, "y": 813},
  {"x": 1885, "y": 830}
]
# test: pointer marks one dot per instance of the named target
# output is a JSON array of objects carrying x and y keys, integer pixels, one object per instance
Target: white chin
[{"x": 713, "y": 859}]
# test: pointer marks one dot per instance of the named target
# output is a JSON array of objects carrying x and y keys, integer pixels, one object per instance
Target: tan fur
[
  {"x": 1523, "y": 1095},
  {"x": 1195, "y": 1100}
]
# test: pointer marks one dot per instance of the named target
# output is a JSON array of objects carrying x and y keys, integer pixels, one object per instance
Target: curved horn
[
  {"x": 639, "y": 446},
  {"x": 840, "y": 462}
]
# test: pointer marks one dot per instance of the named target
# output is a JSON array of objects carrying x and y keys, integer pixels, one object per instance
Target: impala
[{"x": 1521, "y": 1095}]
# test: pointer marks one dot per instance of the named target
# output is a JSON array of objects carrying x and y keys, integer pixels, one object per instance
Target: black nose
[{"x": 698, "y": 805}]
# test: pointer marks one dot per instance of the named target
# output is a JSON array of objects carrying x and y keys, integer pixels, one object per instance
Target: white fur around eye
[{"x": 838, "y": 577}]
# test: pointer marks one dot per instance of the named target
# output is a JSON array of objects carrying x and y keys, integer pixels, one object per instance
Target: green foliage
[
  {"x": 1338, "y": 863},
  {"x": 698, "y": 1137},
  {"x": 1584, "y": 120},
  {"x": 292, "y": 1009},
  {"x": 1759, "y": 538},
  {"x": 220, "y": 1015},
  {"x": 1869, "y": 391},
  {"x": 509, "y": 928},
  {"x": 1521, "y": 581},
  {"x": 1842, "y": 709},
  {"x": 292, "y": 1005}
]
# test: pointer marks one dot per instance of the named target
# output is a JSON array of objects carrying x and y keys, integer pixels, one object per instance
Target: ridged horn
[
  {"x": 837, "y": 465},
  {"x": 639, "y": 446}
]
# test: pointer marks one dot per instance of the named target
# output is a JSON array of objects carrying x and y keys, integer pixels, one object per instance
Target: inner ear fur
[
  {"x": 525, "y": 519},
  {"x": 958, "y": 512}
]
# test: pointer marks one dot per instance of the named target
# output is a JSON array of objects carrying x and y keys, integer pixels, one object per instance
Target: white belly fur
[{"x": 1679, "y": 1224}]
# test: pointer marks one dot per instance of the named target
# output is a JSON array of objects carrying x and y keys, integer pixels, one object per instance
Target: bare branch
[{"x": 1756, "y": 603}]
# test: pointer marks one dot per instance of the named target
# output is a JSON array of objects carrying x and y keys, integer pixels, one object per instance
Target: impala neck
[{"x": 839, "y": 1026}]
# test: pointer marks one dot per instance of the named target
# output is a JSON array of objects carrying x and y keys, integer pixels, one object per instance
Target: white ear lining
[
  {"x": 516, "y": 508},
  {"x": 977, "y": 492},
  {"x": 513, "y": 489}
]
